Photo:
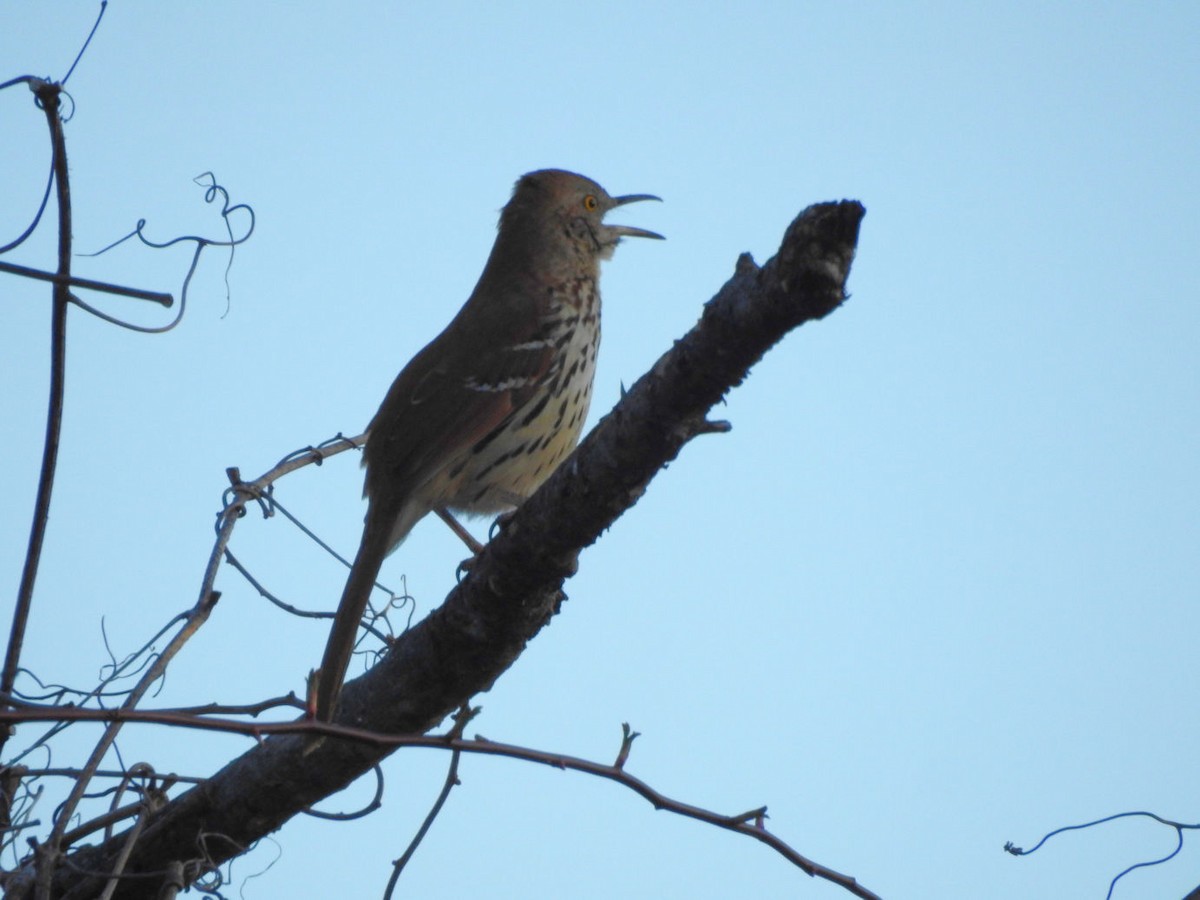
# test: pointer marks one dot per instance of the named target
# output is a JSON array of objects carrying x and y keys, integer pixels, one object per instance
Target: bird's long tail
[{"x": 377, "y": 540}]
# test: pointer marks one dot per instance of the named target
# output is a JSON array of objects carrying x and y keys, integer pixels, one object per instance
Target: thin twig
[
  {"x": 67, "y": 772},
  {"x": 130, "y": 839},
  {"x": 105, "y": 821},
  {"x": 309, "y": 456},
  {"x": 751, "y": 824},
  {"x": 375, "y": 803},
  {"x": 464, "y": 715},
  {"x": 450, "y": 783},
  {"x": 88, "y": 283},
  {"x": 91, "y": 34}
]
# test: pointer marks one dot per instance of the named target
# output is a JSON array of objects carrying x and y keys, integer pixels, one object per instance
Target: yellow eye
[{"x": 590, "y": 202}]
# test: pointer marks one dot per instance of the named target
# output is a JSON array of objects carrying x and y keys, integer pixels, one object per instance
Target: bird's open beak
[{"x": 629, "y": 230}]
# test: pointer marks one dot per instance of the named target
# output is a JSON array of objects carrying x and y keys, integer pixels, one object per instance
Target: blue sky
[{"x": 936, "y": 591}]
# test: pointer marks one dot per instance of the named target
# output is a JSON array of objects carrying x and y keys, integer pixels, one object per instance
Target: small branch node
[
  {"x": 714, "y": 426},
  {"x": 628, "y": 736},
  {"x": 757, "y": 816},
  {"x": 745, "y": 265},
  {"x": 464, "y": 715}
]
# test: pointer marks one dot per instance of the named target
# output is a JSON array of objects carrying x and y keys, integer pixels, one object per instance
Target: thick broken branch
[{"x": 515, "y": 586}]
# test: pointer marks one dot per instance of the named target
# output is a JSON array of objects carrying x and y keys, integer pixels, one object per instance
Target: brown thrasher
[{"x": 482, "y": 416}]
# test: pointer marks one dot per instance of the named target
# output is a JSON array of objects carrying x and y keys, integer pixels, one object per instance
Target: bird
[{"x": 481, "y": 416}]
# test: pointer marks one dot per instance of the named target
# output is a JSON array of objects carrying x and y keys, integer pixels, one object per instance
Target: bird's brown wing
[{"x": 444, "y": 402}]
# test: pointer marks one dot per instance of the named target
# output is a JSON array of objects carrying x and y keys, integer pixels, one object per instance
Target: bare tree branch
[
  {"x": 514, "y": 587},
  {"x": 751, "y": 823}
]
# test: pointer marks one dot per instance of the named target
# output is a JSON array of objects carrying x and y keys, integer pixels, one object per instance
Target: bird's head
[{"x": 567, "y": 211}]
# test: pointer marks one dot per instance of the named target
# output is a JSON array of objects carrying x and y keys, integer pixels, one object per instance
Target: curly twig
[{"x": 1179, "y": 827}]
